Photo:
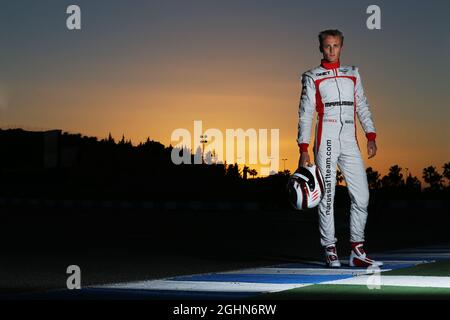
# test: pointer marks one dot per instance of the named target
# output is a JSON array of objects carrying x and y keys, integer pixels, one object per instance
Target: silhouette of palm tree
[
  {"x": 373, "y": 178},
  {"x": 244, "y": 172},
  {"x": 432, "y": 177},
  {"x": 394, "y": 179},
  {"x": 253, "y": 173},
  {"x": 446, "y": 173},
  {"x": 412, "y": 183}
]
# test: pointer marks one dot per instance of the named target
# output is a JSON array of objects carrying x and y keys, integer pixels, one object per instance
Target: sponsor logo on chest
[{"x": 326, "y": 73}]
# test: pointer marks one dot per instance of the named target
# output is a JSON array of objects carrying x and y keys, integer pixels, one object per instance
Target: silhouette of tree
[
  {"x": 433, "y": 178},
  {"x": 186, "y": 150},
  {"x": 412, "y": 183},
  {"x": 122, "y": 141},
  {"x": 339, "y": 177},
  {"x": 394, "y": 179},
  {"x": 244, "y": 172},
  {"x": 110, "y": 139},
  {"x": 233, "y": 171},
  {"x": 446, "y": 173},
  {"x": 373, "y": 178},
  {"x": 253, "y": 173},
  {"x": 198, "y": 155}
]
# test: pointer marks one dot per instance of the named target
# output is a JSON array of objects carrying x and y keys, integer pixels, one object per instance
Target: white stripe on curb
[
  {"x": 211, "y": 286},
  {"x": 398, "y": 281}
]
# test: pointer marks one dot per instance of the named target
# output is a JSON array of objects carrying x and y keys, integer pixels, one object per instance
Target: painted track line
[
  {"x": 398, "y": 281},
  {"x": 263, "y": 278},
  {"x": 204, "y": 286}
]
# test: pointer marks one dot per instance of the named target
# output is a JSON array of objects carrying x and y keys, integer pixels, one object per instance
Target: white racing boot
[
  {"x": 358, "y": 257},
  {"x": 331, "y": 257}
]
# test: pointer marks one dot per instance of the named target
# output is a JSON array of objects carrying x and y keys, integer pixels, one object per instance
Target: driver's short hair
[{"x": 330, "y": 32}]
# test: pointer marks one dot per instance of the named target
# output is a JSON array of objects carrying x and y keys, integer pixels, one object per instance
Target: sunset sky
[{"x": 145, "y": 68}]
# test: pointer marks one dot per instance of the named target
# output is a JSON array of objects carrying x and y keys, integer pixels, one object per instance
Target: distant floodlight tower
[{"x": 203, "y": 141}]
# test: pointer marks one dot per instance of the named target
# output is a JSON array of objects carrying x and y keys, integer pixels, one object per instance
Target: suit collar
[{"x": 330, "y": 65}]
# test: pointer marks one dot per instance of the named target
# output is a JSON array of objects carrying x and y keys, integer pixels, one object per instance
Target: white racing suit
[{"x": 337, "y": 94}]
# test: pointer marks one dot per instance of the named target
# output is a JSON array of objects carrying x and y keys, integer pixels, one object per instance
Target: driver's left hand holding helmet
[{"x": 306, "y": 187}]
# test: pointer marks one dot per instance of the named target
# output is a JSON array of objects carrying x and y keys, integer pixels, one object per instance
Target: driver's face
[{"x": 331, "y": 48}]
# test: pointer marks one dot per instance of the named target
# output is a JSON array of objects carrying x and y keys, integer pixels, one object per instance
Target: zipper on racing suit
[{"x": 340, "y": 106}]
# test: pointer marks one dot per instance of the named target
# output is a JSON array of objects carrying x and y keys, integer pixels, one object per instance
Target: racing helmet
[{"x": 305, "y": 187}]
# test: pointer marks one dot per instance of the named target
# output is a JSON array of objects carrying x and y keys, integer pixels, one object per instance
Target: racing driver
[{"x": 336, "y": 93}]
